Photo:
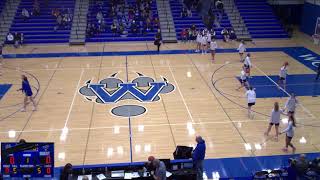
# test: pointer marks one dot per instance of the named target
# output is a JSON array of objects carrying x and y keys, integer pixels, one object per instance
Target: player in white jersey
[
  {"x": 213, "y": 47},
  {"x": 204, "y": 44},
  {"x": 283, "y": 75},
  {"x": 243, "y": 80},
  {"x": 289, "y": 134},
  {"x": 247, "y": 64},
  {"x": 198, "y": 41},
  {"x": 251, "y": 98},
  {"x": 274, "y": 120},
  {"x": 241, "y": 49}
]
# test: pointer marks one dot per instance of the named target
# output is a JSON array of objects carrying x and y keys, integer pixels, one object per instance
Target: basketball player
[
  {"x": 26, "y": 89},
  {"x": 243, "y": 80},
  {"x": 204, "y": 44},
  {"x": 283, "y": 75},
  {"x": 289, "y": 134},
  {"x": 247, "y": 65},
  {"x": 251, "y": 98},
  {"x": 198, "y": 41},
  {"x": 213, "y": 47},
  {"x": 209, "y": 39},
  {"x": 274, "y": 120},
  {"x": 291, "y": 104},
  {"x": 241, "y": 49}
]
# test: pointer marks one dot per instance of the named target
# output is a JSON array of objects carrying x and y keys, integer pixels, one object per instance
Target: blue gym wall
[{"x": 309, "y": 18}]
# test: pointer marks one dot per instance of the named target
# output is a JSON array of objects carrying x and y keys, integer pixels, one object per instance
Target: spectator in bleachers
[
  {"x": 134, "y": 28},
  {"x": 67, "y": 19},
  {"x": 91, "y": 30},
  {"x": 148, "y": 24},
  {"x": 59, "y": 21},
  {"x": 219, "y": 7},
  {"x": 314, "y": 167},
  {"x": 225, "y": 34},
  {"x": 55, "y": 12},
  {"x": 17, "y": 38},
  {"x": 10, "y": 38},
  {"x": 21, "y": 38},
  {"x": 184, "y": 12},
  {"x": 99, "y": 16},
  {"x": 36, "y": 8},
  {"x": 114, "y": 29},
  {"x": 121, "y": 29},
  {"x": 302, "y": 165},
  {"x": 193, "y": 28},
  {"x": 156, "y": 23},
  {"x": 25, "y": 14},
  {"x": 232, "y": 34}
]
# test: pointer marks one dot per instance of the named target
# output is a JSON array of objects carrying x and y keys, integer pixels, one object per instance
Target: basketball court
[{"x": 202, "y": 101}]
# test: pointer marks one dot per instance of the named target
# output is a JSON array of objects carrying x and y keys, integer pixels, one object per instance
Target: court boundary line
[
  {"x": 73, "y": 99},
  {"x": 138, "y": 53},
  {"x": 182, "y": 97},
  {"x": 162, "y": 99}
]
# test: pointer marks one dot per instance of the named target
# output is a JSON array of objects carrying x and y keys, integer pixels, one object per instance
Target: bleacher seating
[
  {"x": 259, "y": 19},
  {"x": 2, "y": 3},
  {"x": 107, "y": 35},
  {"x": 40, "y": 29},
  {"x": 186, "y": 22}
]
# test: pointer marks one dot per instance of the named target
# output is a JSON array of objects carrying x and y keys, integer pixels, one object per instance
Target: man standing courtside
[{"x": 198, "y": 155}]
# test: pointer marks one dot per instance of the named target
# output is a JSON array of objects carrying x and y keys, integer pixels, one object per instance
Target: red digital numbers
[
  {"x": 48, "y": 170},
  {"x": 48, "y": 160},
  {"x": 6, "y": 170},
  {"x": 11, "y": 160}
]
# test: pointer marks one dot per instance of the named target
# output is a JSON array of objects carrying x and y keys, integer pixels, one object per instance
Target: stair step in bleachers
[
  {"x": 187, "y": 22},
  {"x": 107, "y": 36},
  {"x": 259, "y": 19},
  {"x": 40, "y": 29}
]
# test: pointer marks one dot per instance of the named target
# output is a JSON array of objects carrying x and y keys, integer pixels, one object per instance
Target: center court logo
[{"x": 112, "y": 90}]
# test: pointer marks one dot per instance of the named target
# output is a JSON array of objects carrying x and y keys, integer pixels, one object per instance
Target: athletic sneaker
[
  {"x": 285, "y": 149},
  {"x": 23, "y": 110},
  {"x": 34, "y": 108}
]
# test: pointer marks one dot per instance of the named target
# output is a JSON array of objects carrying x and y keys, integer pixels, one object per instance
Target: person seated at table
[{"x": 161, "y": 170}]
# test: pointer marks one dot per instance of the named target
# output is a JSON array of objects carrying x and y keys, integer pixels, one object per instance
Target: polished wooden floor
[{"x": 96, "y": 136}]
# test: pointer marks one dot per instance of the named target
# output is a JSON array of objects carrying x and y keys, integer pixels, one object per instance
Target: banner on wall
[{"x": 317, "y": 29}]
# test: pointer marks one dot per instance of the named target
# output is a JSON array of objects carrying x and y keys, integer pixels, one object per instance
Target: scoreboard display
[{"x": 36, "y": 161}]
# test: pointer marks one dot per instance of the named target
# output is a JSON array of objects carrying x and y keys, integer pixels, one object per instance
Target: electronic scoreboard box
[{"x": 27, "y": 160}]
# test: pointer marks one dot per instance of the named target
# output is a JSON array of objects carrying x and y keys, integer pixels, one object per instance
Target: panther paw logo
[{"x": 112, "y": 90}]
